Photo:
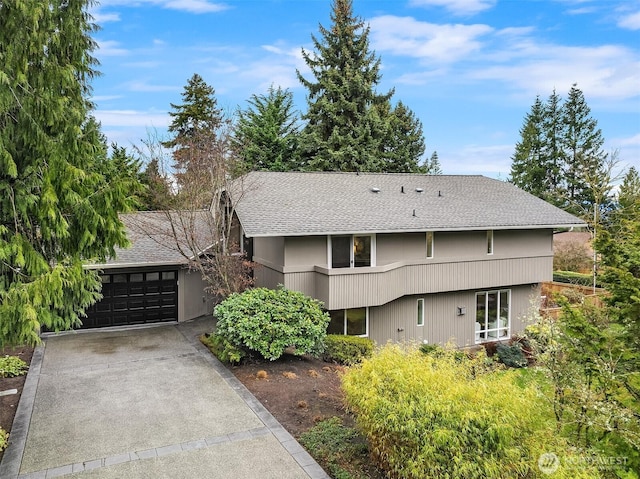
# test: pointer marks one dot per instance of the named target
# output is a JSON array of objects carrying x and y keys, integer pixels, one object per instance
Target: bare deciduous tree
[{"x": 199, "y": 221}]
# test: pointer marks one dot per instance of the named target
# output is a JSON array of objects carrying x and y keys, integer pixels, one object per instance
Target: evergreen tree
[
  {"x": 629, "y": 195},
  {"x": 559, "y": 154},
  {"x": 195, "y": 126},
  {"x": 57, "y": 207},
  {"x": 158, "y": 194},
  {"x": 553, "y": 154},
  {"x": 582, "y": 143},
  {"x": 432, "y": 166},
  {"x": 529, "y": 163},
  {"x": 344, "y": 129},
  {"x": 403, "y": 149},
  {"x": 266, "y": 133}
]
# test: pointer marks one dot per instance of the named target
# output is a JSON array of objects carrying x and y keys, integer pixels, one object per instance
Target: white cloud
[
  {"x": 489, "y": 160},
  {"x": 132, "y": 118},
  {"x": 606, "y": 71},
  {"x": 101, "y": 17},
  {"x": 110, "y": 48},
  {"x": 99, "y": 98},
  {"x": 192, "y": 6},
  {"x": 143, "y": 86},
  {"x": 630, "y": 21},
  {"x": 457, "y": 7},
  {"x": 630, "y": 141},
  {"x": 407, "y": 36}
]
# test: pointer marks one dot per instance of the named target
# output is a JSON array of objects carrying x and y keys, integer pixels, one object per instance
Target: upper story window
[
  {"x": 352, "y": 251},
  {"x": 490, "y": 242},
  {"x": 430, "y": 238}
]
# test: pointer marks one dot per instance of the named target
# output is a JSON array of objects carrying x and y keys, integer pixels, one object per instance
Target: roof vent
[
  {"x": 375, "y": 189},
  {"x": 419, "y": 190}
]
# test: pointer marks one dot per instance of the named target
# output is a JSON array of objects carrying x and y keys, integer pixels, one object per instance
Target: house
[
  {"x": 150, "y": 281},
  {"x": 402, "y": 256}
]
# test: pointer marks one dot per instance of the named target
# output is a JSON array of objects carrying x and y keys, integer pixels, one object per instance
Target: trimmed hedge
[
  {"x": 347, "y": 349},
  {"x": 427, "y": 416},
  {"x": 268, "y": 322},
  {"x": 572, "y": 277}
]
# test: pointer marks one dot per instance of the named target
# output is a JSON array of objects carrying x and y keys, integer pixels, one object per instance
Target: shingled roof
[
  {"x": 153, "y": 234},
  {"x": 300, "y": 204}
]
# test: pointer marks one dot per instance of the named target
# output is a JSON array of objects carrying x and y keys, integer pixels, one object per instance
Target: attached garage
[
  {"x": 149, "y": 282},
  {"x": 135, "y": 298}
]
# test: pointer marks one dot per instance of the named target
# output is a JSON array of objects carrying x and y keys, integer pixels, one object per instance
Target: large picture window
[
  {"x": 493, "y": 313},
  {"x": 352, "y": 322},
  {"x": 352, "y": 251}
]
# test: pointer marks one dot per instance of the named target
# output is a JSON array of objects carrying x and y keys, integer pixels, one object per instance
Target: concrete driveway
[{"x": 144, "y": 403}]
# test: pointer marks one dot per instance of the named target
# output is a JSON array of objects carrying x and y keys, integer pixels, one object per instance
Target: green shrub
[
  {"x": 572, "y": 277},
  {"x": 347, "y": 349},
  {"x": 270, "y": 321},
  {"x": 338, "y": 448},
  {"x": 4, "y": 439},
  {"x": 511, "y": 355},
  {"x": 437, "y": 417},
  {"x": 11, "y": 366}
]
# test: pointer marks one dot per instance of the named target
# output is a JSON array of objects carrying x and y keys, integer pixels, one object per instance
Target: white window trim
[
  {"x": 433, "y": 244},
  {"x": 487, "y": 339},
  {"x": 420, "y": 316},
  {"x": 490, "y": 243},
  {"x": 351, "y": 257}
]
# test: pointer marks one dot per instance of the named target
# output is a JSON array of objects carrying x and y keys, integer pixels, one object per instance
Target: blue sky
[{"x": 469, "y": 69}]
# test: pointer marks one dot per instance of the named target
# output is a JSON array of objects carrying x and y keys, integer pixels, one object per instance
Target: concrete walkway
[{"x": 144, "y": 403}]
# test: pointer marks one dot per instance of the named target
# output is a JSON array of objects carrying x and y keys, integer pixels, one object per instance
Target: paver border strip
[{"x": 12, "y": 459}]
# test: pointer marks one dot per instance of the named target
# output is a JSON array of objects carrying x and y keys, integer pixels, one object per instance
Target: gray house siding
[
  {"x": 193, "y": 300},
  {"x": 397, "y": 320},
  {"x": 460, "y": 262}
]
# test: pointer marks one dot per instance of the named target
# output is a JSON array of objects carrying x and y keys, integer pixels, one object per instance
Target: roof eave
[{"x": 416, "y": 230}]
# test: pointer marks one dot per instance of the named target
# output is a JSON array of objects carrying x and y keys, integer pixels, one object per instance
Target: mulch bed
[{"x": 9, "y": 404}]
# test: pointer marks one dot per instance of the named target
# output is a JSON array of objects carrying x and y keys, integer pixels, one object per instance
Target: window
[
  {"x": 429, "y": 244},
  {"x": 352, "y": 322},
  {"x": 420, "y": 312},
  {"x": 168, "y": 275},
  {"x": 355, "y": 251},
  {"x": 492, "y": 315},
  {"x": 490, "y": 242}
]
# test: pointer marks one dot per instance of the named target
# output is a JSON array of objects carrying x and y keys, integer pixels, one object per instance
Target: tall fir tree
[
  {"x": 266, "y": 134},
  {"x": 57, "y": 207},
  {"x": 582, "y": 143},
  {"x": 529, "y": 163},
  {"x": 553, "y": 153},
  {"x": 560, "y": 152},
  {"x": 433, "y": 166},
  {"x": 158, "y": 194},
  {"x": 195, "y": 127},
  {"x": 403, "y": 148},
  {"x": 344, "y": 129}
]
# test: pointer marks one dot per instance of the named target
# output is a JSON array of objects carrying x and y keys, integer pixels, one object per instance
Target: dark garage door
[{"x": 135, "y": 298}]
